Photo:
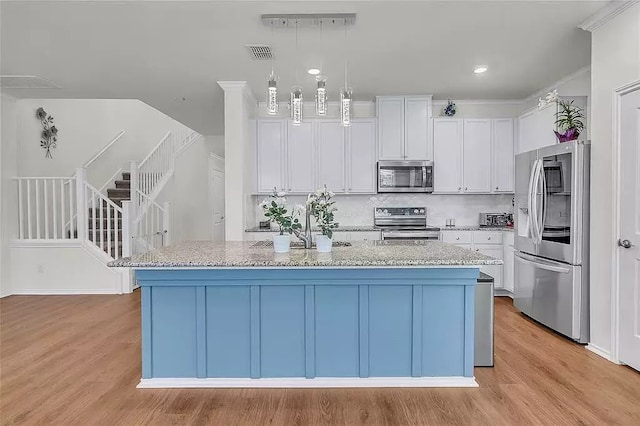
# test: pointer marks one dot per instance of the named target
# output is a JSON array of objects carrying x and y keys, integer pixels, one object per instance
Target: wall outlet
[{"x": 40, "y": 268}]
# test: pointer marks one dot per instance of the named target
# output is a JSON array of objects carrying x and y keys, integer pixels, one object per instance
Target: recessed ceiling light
[
  {"x": 480, "y": 69},
  {"x": 313, "y": 71}
]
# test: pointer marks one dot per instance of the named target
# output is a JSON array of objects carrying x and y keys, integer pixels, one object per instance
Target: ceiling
[{"x": 170, "y": 54}]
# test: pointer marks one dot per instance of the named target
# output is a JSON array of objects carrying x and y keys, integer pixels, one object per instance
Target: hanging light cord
[
  {"x": 297, "y": 55},
  {"x": 272, "y": 49}
]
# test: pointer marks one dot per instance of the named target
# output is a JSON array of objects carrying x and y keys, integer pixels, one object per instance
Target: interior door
[
  {"x": 217, "y": 186},
  {"x": 629, "y": 244}
]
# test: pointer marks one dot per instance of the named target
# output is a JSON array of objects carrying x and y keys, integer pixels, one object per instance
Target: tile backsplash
[{"x": 357, "y": 210}]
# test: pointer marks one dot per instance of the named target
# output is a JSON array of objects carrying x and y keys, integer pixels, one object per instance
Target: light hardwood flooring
[{"x": 75, "y": 360}]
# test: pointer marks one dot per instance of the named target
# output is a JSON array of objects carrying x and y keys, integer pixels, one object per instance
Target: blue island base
[{"x": 306, "y": 327}]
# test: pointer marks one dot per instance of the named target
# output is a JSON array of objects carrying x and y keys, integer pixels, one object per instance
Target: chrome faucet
[{"x": 306, "y": 238}]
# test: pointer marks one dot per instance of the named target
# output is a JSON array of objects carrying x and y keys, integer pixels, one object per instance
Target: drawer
[
  {"x": 487, "y": 237},
  {"x": 457, "y": 237},
  {"x": 366, "y": 236}
]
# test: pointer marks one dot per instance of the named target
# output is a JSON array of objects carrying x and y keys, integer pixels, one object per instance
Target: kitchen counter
[
  {"x": 243, "y": 254},
  {"x": 476, "y": 228},
  {"x": 368, "y": 228},
  {"x": 372, "y": 314}
]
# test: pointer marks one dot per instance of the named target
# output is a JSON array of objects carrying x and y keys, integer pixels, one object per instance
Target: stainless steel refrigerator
[{"x": 552, "y": 237}]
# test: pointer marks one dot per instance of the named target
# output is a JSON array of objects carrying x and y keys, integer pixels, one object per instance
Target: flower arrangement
[
  {"x": 450, "y": 109},
  {"x": 569, "y": 120},
  {"x": 323, "y": 209},
  {"x": 49, "y": 131},
  {"x": 275, "y": 209}
]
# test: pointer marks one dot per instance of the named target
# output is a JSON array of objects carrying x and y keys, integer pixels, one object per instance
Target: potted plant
[
  {"x": 323, "y": 209},
  {"x": 275, "y": 209},
  {"x": 569, "y": 121}
]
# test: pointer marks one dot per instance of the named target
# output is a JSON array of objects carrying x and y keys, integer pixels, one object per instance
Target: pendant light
[
  {"x": 272, "y": 87},
  {"x": 346, "y": 94},
  {"x": 321, "y": 85},
  {"x": 296, "y": 102}
]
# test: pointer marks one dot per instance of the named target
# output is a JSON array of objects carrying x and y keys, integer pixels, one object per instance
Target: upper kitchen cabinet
[
  {"x": 503, "y": 161},
  {"x": 404, "y": 127},
  {"x": 331, "y": 155},
  {"x": 301, "y": 158},
  {"x": 473, "y": 156},
  {"x": 271, "y": 143},
  {"x": 361, "y": 156},
  {"x": 447, "y": 155},
  {"x": 476, "y": 156}
]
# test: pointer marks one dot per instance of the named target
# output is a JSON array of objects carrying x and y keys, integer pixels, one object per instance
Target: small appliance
[
  {"x": 405, "y": 176},
  {"x": 494, "y": 220}
]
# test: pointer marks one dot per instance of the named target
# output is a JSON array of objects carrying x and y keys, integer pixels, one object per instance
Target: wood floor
[{"x": 75, "y": 360}]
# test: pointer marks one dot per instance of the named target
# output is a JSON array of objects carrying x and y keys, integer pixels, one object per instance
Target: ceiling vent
[
  {"x": 260, "y": 52},
  {"x": 26, "y": 82}
]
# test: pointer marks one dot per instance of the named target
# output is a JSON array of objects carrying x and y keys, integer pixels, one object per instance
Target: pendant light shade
[
  {"x": 296, "y": 105},
  {"x": 272, "y": 96},
  {"x": 321, "y": 95},
  {"x": 346, "y": 106}
]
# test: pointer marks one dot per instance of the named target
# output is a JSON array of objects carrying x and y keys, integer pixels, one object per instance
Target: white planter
[
  {"x": 281, "y": 243},
  {"x": 323, "y": 243}
]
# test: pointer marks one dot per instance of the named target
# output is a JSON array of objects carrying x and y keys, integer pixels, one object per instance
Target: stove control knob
[
  {"x": 421, "y": 211},
  {"x": 385, "y": 211},
  {"x": 416, "y": 211}
]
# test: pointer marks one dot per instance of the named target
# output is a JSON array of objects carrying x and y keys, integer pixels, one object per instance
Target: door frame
[
  {"x": 216, "y": 163},
  {"x": 615, "y": 279}
]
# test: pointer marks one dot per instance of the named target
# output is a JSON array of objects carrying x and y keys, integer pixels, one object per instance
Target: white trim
[
  {"x": 324, "y": 382},
  {"x": 600, "y": 352},
  {"x": 188, "y": 268},
  {"x": 557, "y": 84},
  {"x": 478, "y": 101},
  {"x": 46, "y": 243},
  {"x": 55, "y": 292},
  {"x": 103, "y": 150},
  {"x": 605, "y": 14},
  {"x": 615, "y": 270},
  {"x": 242, "y": 85}
]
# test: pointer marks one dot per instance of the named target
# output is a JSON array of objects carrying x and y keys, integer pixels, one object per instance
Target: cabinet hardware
[{"x": 465, "y": 188}]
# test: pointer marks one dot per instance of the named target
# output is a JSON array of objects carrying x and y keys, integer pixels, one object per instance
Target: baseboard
[
  {"x": 500, "y": 292},
  {"x": 60, "y": 292},
  {"x": 323, "y": 382},
  {"x": 601, "y": 352}
]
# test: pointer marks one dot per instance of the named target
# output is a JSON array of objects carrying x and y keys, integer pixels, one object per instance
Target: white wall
[
  {"x": 85, "y": 126},
  {"x": 215, "y": 144},
  {"x": 615, "y": 61},
  {"x": 576, "y": 84},
  {"x": 46, "y": 270},
  {"x": 480, "y": 109},
  {"x": 8, "y": 197}
]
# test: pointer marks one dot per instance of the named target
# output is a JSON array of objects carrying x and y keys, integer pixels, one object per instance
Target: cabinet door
[
  {"x": 508, "y": 269},
  {"x": 331, "y": 155},
  {"x": 477, "y": 156},
  {"x": 391, "y": 127},
  {"x": 366, "y": 236},
  {"x": 494, "y": 270},
  {"x": 503, "y": 159},
  {"x": 417, "y": 114},
  {"x": 447, "y": 155},
  {"x": 536, "y": 128},
  {"x": 361, "y": 157},
  {"x": 301, "y": 159},
  {"x": 271, "y": 141}
]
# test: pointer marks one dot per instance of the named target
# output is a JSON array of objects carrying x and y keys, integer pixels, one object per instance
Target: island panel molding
[{"x": 307, "y": 327}]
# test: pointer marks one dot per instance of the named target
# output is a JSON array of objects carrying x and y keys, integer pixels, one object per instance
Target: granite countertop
[
  {"x": 476, "y": 228},
  {"x": 340, "y": 229},
  {"x": 244, "y": 254}
]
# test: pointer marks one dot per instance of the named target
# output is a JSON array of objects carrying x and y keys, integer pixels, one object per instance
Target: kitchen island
[{"x": 371, "y": 314}]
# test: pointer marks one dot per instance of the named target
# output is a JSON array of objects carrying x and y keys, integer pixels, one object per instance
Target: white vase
[
  {"x": 281, "y": 243},
  {"x": 323, "y": 243}
]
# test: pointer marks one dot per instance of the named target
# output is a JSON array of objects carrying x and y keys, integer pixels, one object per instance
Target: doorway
[
  {"x": 216, "y": 167},
  {"x": 628, "y": 250}
]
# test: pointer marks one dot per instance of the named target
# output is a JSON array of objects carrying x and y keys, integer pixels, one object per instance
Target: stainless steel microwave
[{"x": 405, "y": 176}]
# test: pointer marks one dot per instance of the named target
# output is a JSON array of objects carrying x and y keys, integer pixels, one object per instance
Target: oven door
[
  {"x": 410, "y": 235},
  {"x": 405, "y": 176}
]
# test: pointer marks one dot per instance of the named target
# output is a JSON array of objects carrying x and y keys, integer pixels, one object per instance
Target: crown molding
[
  {"x": 239, "y": 85},
  {"x": 478, "y": 101},
  {"x": 557, "y": 84},
  {"x": 604, "y": 15}
]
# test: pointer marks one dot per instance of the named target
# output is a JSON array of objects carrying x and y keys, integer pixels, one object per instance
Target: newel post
[
  {"x": 81, "y": 203},
  {"x": 127, "y": 233},
  {"x": 167, "y": 226}
]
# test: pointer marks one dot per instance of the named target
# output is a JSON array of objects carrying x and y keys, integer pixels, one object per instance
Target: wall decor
[
  {"x": 49, "y": 132},
  {"x": 450, "y": 109}
]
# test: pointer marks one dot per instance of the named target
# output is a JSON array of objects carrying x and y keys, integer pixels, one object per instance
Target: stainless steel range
[{"x": 404, "y": 223}]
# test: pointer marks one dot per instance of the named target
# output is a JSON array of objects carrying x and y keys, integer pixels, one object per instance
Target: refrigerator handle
[
  {"x": 542, "y": 264},
  {"x": 544, "y": 198},
  {"x": 530, "y": 204},
  {"x": 538, "y": 180}
]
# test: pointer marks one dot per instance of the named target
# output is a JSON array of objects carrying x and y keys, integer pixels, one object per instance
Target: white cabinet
[
  {"x": 494, "y": 270},
  {"x": 271, "y": 154},
  {"x": 331, "y": 155},
  {"x": 473, "y": 156},
  {"x": 503, "y": 156},
  {"x": 301, "y": 158},
  {"x": 365, "y": 236},
  {"x": 536, "y": 128},
  {"x": 361, "y": 157},
  {"x": 404, "y": 127},
  {"x": 447, "y": 155},
  {"x": 508, "y": 275},
  {"x": 476, "y": 156}
]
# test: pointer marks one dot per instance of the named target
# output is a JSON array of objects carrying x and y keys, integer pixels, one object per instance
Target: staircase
[{"x": 105, "y": 221}]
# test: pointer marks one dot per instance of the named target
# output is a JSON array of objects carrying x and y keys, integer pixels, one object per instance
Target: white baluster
[
  {"x": 54, "y": 203},
  {"x": 29, "y": 208},
  {"x": 101, "y": 225},
  {"x": 81, "y": 203},
  {"x": 108, "y": 228},
  {"x": 37, "y": 208},
  {"x": 20, "y": 211},
  {"x": 62, "y": 207},
  {"x": 46, "y": 209}
]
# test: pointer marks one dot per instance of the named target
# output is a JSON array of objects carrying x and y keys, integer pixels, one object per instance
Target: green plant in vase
[
  {"x": 569, "y": 121},
  {"x": 323, "y": 209},
  {"x": 275, "y": 209}
]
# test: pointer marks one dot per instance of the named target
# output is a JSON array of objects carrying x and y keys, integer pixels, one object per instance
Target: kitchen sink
[{"x": 300, "y": 244}]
